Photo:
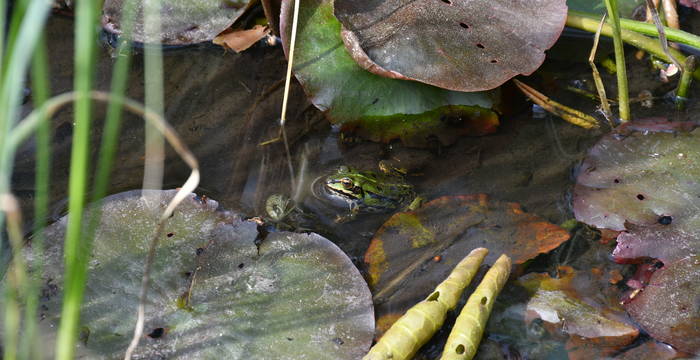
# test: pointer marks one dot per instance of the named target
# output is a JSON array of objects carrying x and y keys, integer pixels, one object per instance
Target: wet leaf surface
[
  {"x": 459, "y": 45},
  {"x": 643, "y": 178},
  {"x": 413, "y": 251},
  {"x": 358, "y": 99},
  {"x": 669, "y": 307},
  {"x": 650, "y": 350},
  {"x": 566, "y": 311},
  {"x": 210, "y": 284},
  {"x": 183, "y": 22}
]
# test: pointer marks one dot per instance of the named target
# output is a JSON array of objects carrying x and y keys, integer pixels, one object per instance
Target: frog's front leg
[
  {"x": 354, "y": 210},
  {"x": 415, "y": 204}
]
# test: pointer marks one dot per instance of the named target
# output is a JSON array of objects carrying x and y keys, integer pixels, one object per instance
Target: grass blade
[{"x": 75, "y": 250}]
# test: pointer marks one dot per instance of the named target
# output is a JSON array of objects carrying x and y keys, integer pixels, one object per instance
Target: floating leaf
[
  {"x": 643, "y": 178},
  {"x": 459, "y": 45},
  {"x": 669, "y": 307},
  {"x": 214, "y": 293},
  {"x": 358, "y": 99},
  {"x": 413, "y": 251},
  {"x": 183, "y": 22}
]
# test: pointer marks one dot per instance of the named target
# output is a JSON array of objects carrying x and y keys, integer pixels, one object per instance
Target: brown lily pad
[
  {"x": 413, "y": 251},
  {"x": 643, "y": 178},
  {"x": 458, "y": 45},
  {"x": 669, "y": 307},
  {"x": 372, "y": 106}
]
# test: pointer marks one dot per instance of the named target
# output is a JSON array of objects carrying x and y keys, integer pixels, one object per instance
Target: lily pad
[
  {"x": 183, "y": 21},
  {"x": 669, "y": 307},
  {"x": 459, "y": 45},
  {"x": 413, "y": 251},
  {"x": 358, "y": 99},
  {"x": 214, "y": 293},
  {"x": 643, "y": 178}
]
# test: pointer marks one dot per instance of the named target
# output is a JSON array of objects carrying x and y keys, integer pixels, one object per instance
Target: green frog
[{"x": 369, "y": 191}]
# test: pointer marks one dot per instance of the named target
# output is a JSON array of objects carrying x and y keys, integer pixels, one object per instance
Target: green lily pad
[
  {"x": 459, "y": 45},
  {"x": 214, "y": 293},
  {"x": 357, "y": 98},
  {"x": 182, "y": 21}
]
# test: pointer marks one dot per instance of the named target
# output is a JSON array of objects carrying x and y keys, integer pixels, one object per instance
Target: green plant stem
[
  {"x": 623, "y": 96},
  {"x": 153, "y": 97},
  {"x": 76, "y": 252},
  {"x": 684, "y": 83},
  {"x": 30, "y": 346},
  {"x": 112, "y": 127},
  {"x": 672, "y": 34},
  {"x": 16, "y": 61},
  {"x": 637, "y": 40}
]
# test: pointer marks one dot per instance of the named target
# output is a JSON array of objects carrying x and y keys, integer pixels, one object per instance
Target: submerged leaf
[
  {"x": 459, "y": 45},
  {"x": 359, "y": 99},
  {"x": 414, "y": 250},
  {"x": 560, "y": 304},
  {"x": 214, "y": 294}
]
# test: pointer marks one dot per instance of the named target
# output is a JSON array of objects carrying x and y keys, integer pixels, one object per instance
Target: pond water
[{"x": 224, "y": 105}]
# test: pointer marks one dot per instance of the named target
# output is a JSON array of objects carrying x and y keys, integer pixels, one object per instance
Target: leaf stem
[{"x": 622, "y": 89}]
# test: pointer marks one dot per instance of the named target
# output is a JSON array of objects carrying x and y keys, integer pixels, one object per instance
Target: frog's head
[{"x": 344, "y": 183}]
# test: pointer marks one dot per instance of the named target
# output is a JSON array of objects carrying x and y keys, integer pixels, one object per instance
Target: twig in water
[
  {"x": 662, "y": 34},
  {"x": 571, "y": 115},
  {"x": 287, "y": 84},
  {"x": 604, "y": 105}
]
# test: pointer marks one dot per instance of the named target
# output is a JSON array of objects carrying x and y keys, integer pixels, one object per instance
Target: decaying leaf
[
  {"x": 592, "y": 327},
  {"x": 459, "y": 45},
  {"x": 668, "y": 308},
  {"x": 401, "y": 254},
  {"x": 239, "y": 40}
]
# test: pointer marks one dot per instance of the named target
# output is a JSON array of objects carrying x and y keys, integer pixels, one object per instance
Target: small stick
[
  {"x": 604, "y": 105},
  {"x": 662, "y": 34},
  {"x": 571, "y": 115}
]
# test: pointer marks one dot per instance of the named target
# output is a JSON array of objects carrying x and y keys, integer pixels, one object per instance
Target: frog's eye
[
  {"x": 347, "y": 183},
  {"x": 343, "y": 169}
]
